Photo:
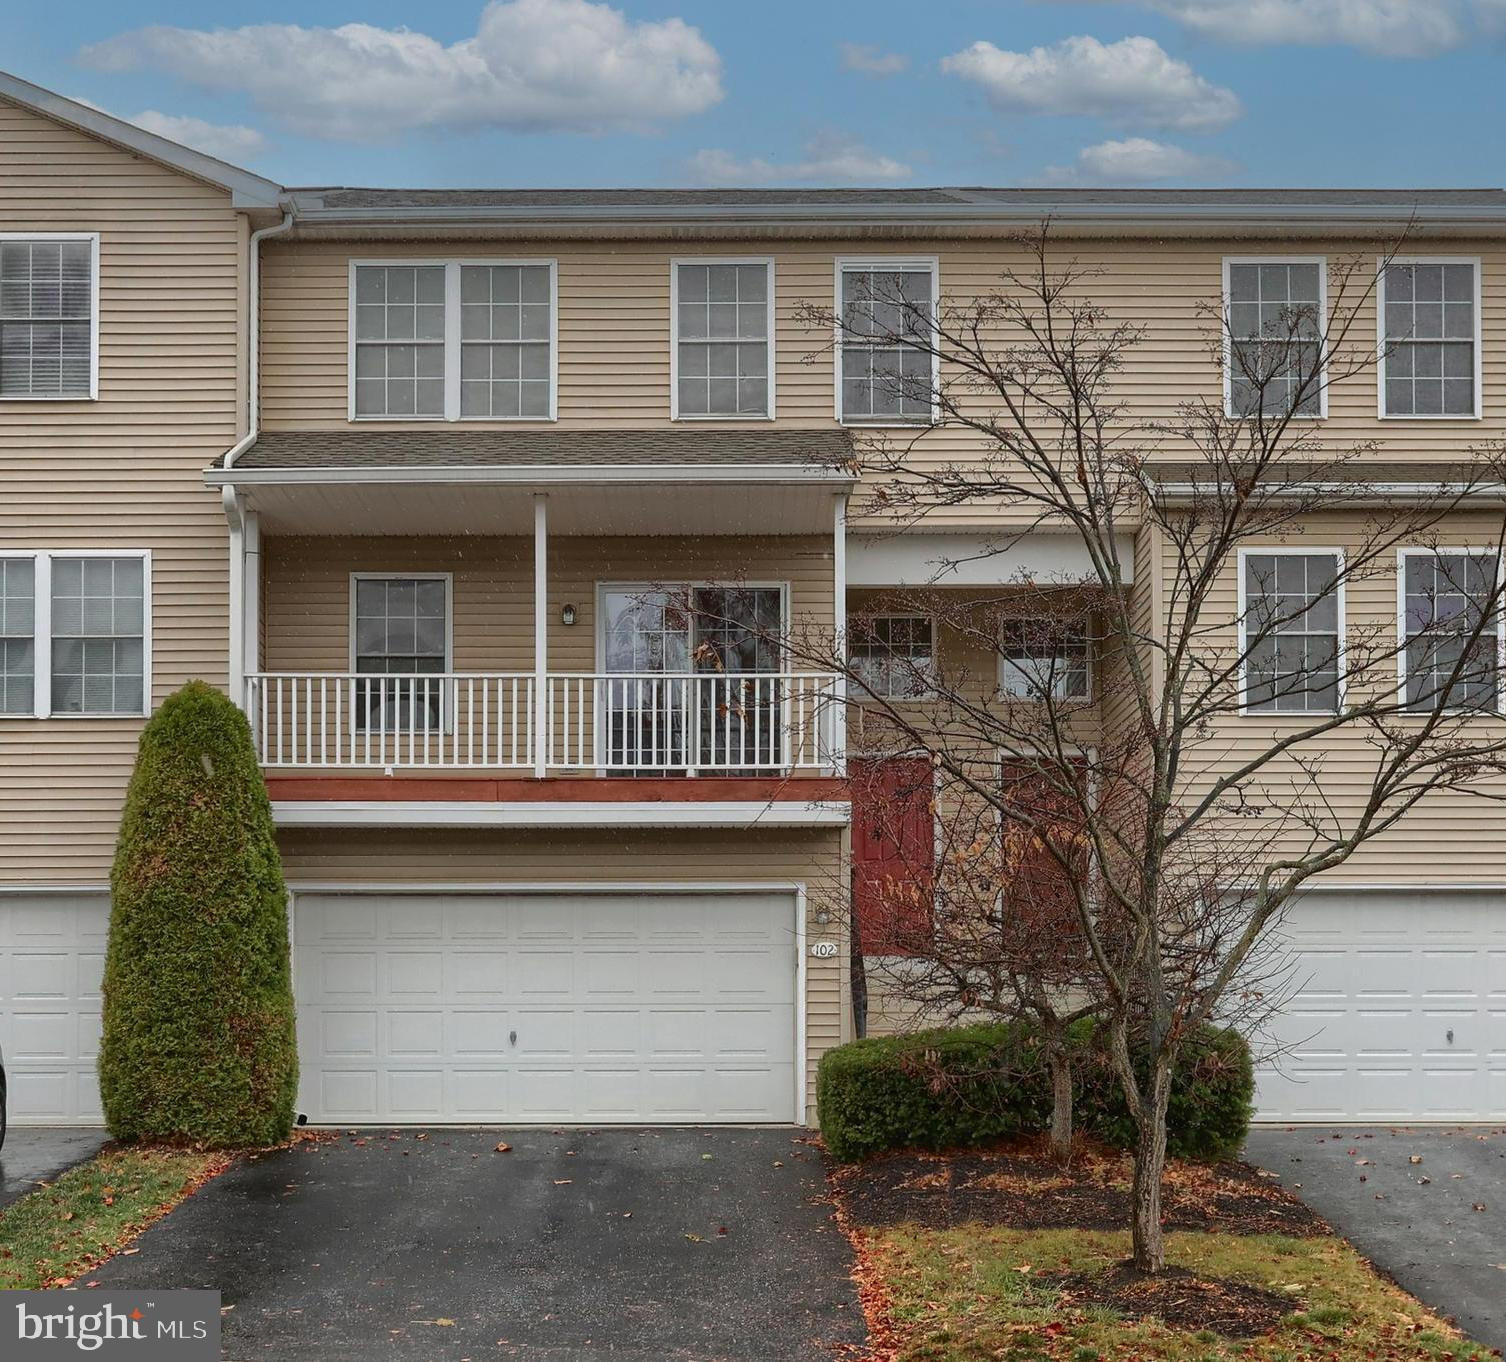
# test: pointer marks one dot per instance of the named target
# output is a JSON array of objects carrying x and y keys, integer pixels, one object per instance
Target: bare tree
[{"x": 1198, "y": 790}]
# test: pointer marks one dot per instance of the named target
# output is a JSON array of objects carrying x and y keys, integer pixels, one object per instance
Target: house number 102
[{"x": 823, "y": 950}]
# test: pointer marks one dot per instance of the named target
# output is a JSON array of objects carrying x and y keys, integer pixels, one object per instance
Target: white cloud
[
  {"x": 831, "y": 158},
  {"x": 1132, "y": 81},
  {"x": 229, "y": 141},
  {"x": 1391, "y": 28},
  {"x": 872, "y": 61},
  {"x": 1137, "y": 160},
  {"x": 533, "y": 65}
]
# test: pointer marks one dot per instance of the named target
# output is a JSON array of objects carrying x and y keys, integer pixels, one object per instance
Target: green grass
[
  {"x": 56, "y": 1233},
  {"x": 973, "y": 1293}
]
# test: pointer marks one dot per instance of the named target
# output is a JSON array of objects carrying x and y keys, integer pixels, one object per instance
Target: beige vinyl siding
[
  {"x": 306, "y": 590},
  {"x": 614, "y": 332},
  {"x": 1449, "y": 837},
  {"x": 123, "y": 471},
  {"x": 498, "y": 857}
]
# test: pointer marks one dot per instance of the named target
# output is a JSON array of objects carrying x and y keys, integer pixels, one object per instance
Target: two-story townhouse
[{"x": 490, "y": 508}]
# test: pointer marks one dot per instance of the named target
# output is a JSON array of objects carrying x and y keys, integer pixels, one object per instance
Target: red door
[{"x": 893, "y": 852}]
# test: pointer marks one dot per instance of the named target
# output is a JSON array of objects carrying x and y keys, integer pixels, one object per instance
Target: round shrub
[
  {"x": 198, "y": 1043},
  {"x": 972, "y": 1085}
]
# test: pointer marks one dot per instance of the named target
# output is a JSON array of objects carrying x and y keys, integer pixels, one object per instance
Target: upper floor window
[
  {"x": 452, "y": 340},
  {"x": 894, "y": 655},
  {"x": 1041, "y": 658},
  {"x": 723, "y": 320},
  {"x": 1275, "y": 315},
  {"x": 1452, "y": 626},
  {"x": 74, "y": 634},
  {"x": 1430, "y": 344},
  {"x": 48, "y": 316},
  {"x": 1290, "y": 632},
  {"x": 885, "y": 352}
]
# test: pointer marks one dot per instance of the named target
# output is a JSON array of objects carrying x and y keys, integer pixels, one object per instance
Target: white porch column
[
  {"x": 235, "y": 519},
  {"x": 251, "y": 594},
  {"x": 540, "y": 634},
  {"x": 839, "y": 627}
]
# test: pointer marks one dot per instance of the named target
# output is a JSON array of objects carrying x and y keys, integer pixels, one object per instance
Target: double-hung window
[
  {"x": 1291, "y": 624},
  {"x": 49, "y": 316},
  {"x": 894, "y": 656},
  {"x": 452, "y": 340},
  {"x": 75, "y": 634},
  {"x": 886, "y": 354},
  {"x": 1452, "y": 622},
  {"x": 1043, "y": 658},
  {"x": 1430, "y": 338},
  {"x": 400, "y": 633},
  {"x": 1276, "y": 322},
  {"x": 722, "y": 347}
]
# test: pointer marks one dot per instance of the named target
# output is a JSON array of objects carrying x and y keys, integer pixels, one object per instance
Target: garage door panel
[
  {"x": 1392, "y": 1014},
  {"x": 52, "y": 958},
  {"x": 549, "y": 1008}
]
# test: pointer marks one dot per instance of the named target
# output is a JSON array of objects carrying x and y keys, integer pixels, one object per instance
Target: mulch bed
[
  {"x": 1018, "y": 1186},
  {"x": 1178, "y": 1298}
]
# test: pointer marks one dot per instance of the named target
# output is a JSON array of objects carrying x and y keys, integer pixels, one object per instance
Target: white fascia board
[
  {"x": 437, "y": 813},
  {"x": 1349, "y": 494},
  {"x": 593, "y": 475},
  {"x": 974, "y": 559},
  {"x": 246, "y": 189}
]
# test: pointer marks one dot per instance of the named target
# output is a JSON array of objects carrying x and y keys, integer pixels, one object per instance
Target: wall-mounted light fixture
[{"x": 567, "y": 614}]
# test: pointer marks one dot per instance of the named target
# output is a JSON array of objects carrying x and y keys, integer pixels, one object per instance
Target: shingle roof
[{"x": 323, "y": 449}]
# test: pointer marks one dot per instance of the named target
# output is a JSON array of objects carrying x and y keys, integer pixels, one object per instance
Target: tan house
[{"x": 485, "y": 505}]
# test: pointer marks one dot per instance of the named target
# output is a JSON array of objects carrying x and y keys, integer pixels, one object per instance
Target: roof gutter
[
  {"x": 1348, "y": 494},
  {"x": 536, "y": 475}
]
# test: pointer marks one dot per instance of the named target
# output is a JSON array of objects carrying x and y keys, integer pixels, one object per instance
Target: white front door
[
  {"x": 1397, "y": 1009},
  {"x": 52, "y": 959},
  {"x": 543, "y": 1007}
]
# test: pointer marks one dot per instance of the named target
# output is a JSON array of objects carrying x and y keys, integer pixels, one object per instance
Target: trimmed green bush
[
  {"x": 972, "y": 1085},
  {"x": 198, "y": 1042}
]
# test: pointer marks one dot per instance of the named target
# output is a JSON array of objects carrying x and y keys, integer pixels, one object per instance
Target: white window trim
[
  {"x": 1442, "y": 550},
  {"x": 767, "y": 261},
  {"x": 897, "y": 263},
  {"x": 452, "y": 345},
  {"x": 449, "y": 610},
  {"x": 1089, "y": 681},
  {"x": 860, "y": 692},
  {"x": 1321, "y": 261},
  {"x": 1380, "y": 336},
  {"x": 93, "y": 239},
  {"x": 41, "y": 697},
  {"x": 1289, "y": 551}
]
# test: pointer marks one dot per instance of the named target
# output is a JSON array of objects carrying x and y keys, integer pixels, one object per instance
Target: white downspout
[
  {"x": 244, "y": 607},
  {"x": 839, "y": 628}
]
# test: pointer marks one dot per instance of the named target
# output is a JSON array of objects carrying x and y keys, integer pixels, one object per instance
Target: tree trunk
[
  {"x": 1060, "y": 1064},
  {"x": 1147, "y": 1236}
]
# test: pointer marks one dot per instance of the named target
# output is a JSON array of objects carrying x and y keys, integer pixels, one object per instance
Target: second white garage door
[
  {"x": 1398, "y": 1011},
  {"x": 598, "y": 1008}
]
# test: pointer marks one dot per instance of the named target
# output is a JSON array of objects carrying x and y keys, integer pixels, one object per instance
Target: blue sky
[{"x": 687, "y": 92}]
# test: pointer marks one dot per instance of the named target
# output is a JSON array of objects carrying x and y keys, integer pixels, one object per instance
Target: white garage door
[
  {"x": 52, "y": 958},
  {"x": 596, "y": 1008},
  {"x": 1399, "y": 1010}
]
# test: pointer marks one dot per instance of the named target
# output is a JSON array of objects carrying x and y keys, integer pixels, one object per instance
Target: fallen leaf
[
  {"x": 562, "y": 1182},
  {"x": 695, "y": 1239},
  {"x": 504, "y": 1148},
  {"x": 1478, "y": 1206},
  {"x": 1414, "y": 1158}
]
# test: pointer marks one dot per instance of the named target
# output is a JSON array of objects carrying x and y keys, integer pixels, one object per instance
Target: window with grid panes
[
  {"x": 400, "y": 341},
  {"x": 1275, "y": 328},
  {"x": 894, "y": 655},
  {"x": 1291, "y": 632},
  {"x": 886, "y": 369},
  {"x": 98, "y": 635},
  {"x": 504, "y": 340},
  {"x": 1429, "y": 351},
  {"x": 722, "y": 339},
  {"x": 18, "y": 640},
  {"x": 1452, "y": 620},
  {"x": 47, "y": 318}
]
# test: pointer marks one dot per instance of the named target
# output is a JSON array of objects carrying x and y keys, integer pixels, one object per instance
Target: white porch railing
[{"x": 763, "y": 723}]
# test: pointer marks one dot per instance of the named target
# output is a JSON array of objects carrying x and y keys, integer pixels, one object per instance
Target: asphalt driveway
[
  {"x": 626, "y": 1245},
  {"x": 1437, "y": 1226},
  {"x": 34, "y": 1154}
]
